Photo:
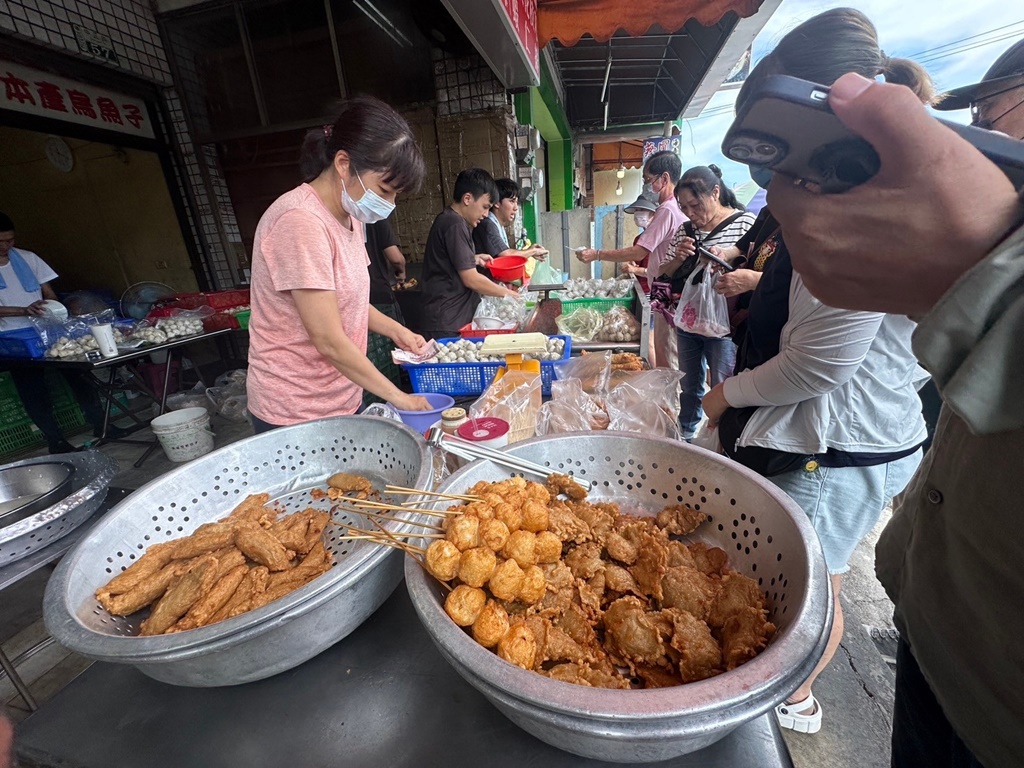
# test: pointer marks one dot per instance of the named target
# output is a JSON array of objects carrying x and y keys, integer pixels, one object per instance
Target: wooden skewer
[
  {"x": 393, "y": 508},
  {"x": 389, "y": 519},
  {"x": 388, "y": 533},
  {"x": 378, "y": 537},
  {"x": 397, "y": 489},
  {"x": 386, "y": 538}
]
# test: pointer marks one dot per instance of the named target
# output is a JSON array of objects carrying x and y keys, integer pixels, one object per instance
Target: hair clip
[{"x": 328, "y": 130}]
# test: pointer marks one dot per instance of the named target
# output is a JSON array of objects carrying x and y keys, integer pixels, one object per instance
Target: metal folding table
[{"x": 107, "y": 388}]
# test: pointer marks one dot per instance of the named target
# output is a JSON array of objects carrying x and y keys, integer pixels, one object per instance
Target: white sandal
[{"x": 801, "y": 716}]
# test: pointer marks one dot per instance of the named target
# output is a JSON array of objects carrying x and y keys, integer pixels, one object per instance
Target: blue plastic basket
[
  {"x": 21, "y": 342},
  {"x": 465, "y": 379}
]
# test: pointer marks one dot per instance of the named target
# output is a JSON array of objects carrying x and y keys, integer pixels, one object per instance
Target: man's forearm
[
  {"x": 477, "y": 282},
  {"x": 632, "y": 253},
  {"x": 14, "y": 312}
]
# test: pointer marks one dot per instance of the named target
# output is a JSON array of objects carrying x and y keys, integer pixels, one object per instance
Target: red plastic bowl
[{"x": 508, "y": 268}]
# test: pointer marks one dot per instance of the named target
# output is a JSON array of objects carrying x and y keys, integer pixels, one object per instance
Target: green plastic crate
[
  {"x": 20, "y": 437},
  {"x": 69, "y": 417},
  {"x": 601, "y": 305}
]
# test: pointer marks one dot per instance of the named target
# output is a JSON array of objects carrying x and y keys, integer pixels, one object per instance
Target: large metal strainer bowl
[
  {"x": 287, "y": 463},
  {"x": 767, "y": 538}
]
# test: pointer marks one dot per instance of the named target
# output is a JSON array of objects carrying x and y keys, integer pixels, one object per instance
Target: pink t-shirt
[
  {"x": 658, "y": 235},
  {"x": 299, "y": 244}
]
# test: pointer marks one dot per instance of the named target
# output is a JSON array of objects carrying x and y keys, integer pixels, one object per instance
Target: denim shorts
[{"x": 844, "y": 503}]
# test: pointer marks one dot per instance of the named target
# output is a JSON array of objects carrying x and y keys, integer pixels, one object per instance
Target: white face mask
[
  {"x": 642, "y": 219},
  {"x": 369, "y": 209}
]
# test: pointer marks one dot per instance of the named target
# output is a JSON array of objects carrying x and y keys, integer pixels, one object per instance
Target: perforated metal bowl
[
  {"x": 767, "y": 538},
  {"x": 286, "y": 463}
]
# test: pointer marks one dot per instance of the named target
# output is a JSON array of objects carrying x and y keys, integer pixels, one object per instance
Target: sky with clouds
[{"x": 908, "y": 28}]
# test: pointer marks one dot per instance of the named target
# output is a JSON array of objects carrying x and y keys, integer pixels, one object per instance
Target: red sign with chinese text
[
  {"x": 23, "y": 89},
  {"x": 522, "y": 15}
]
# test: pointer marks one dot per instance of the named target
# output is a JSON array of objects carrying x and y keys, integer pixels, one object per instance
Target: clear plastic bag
[
  {"x": 707, "y": 437},
  {"x": 701, "y": 310},
  {"x": 646, "y": 402},
  {"x": 593, "y": 372},
  {"x": 515, "y": 398},
  {"x": 618, "y": 324},
  {"x": 383, "y": 411},
  {"x": 192, "y": 398},
  {"x": 583, "y": 324},
  {"x": 508, "y": 309},
  {"x": 236, "y": 377},
  {"x": 545, "y": 274}
]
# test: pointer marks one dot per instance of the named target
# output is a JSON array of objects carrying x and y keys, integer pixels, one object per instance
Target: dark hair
[
  {"x": 701, "y": 181},
  {"x": 665, "y": 161},
  {"x": 475, "y": 181},
  {"x": 375, "y": 137},
  {"x": 507, "y": 190},
  {"x": 6, "y": 224},
  {"x": 827, "y": 46}
]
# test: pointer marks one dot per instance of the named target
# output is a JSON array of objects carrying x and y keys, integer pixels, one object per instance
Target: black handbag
[
  {"x": 678, "y": 278},
  {"x": 767, "y": 462}
]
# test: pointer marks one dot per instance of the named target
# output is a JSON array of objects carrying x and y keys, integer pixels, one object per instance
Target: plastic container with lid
[
  {"x": 452, "y": 419},
  {"x": 487, "y": 431}
]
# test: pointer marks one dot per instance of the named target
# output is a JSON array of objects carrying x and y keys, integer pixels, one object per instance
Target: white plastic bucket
[{"x": 185, "y": 434}]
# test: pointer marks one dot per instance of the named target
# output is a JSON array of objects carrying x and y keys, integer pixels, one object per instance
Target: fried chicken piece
[
  {"x": 744, "y": 635},
  {"x": 207, "y": 538},
  {"x": 711, "y": 560},
  {"x": 252, "y": 508},
  {"x": 519, "y": 646},
  {"x": 560, "y": 589},
  {"x": 318, "y": 555},
  {"x": 253, "y": 585},
  {"x": 180, "y": 597},
  {"x": 564, "y": 524},
  {"x": 630, "y": 633},
  {"x": 348, "y": 483},
  {"x": 153, "y": 561},
  {"x": 507, "y": 580},
  {"x": 598, "y": 517},
  {"x": 618, "y": 579},
  {"x": 297, "y": 576},
  {"x": 464, "y": 604},
  {"x": 680, "y": 519},
  {"x": 585, "y": 560},
  {"x": 270, "y": 595},
  {"x": 491, "y": 625},
  {"x": 145, "y": 592},
  {"x": 567, "y": 673},
  {"x": 558, "y": 485},
  {"x": 476, "y": 566},
  {"x": 737, "y": 593},
  {"x": 620, "y": 549},
  {"x": 651, "y": 565},
  {"x": 655, "y": 676},
  {"x": 679, "y": 554},
  {"x": 291, "y": 530},
  {"x": 558, "y": 646},
  {"x": 211, "y": 602},
  {"x": 314, "y": 532},
  {"x": 700, "y": 656},
  {"x": 575, "y": 624},
  {"x": 689, "y": 590},
  {"x": 442, "y": 560},
  {"x": 258, "y": 545}
]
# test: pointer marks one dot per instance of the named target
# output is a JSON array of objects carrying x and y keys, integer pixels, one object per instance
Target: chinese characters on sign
[
  {"x": 522, "y": 14},
  {"x": 23, "y": 89},
  {"x": 672, "y": 143}
]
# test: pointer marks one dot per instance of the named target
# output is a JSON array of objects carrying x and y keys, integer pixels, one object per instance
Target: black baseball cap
[{"x": 999, "y": 77}]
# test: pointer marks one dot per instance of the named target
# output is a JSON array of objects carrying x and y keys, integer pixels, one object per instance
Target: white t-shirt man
[{"x": 16, "y": 296}]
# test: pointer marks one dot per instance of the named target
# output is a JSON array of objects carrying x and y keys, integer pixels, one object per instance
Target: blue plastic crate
[
  {"x": 466, "y": 379},
  {"x": 21, "y": 342}
]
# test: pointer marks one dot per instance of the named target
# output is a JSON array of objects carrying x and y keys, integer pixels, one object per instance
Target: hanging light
[
  {"x": 618, "y": 188},
  {"x": 621, "y": 173}
]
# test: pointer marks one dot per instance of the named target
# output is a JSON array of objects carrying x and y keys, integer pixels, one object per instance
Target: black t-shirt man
[
  {"x": 488, "y": 239},
  {"x": 449, "y": 303},
  {"x": 378, "y": 237}
]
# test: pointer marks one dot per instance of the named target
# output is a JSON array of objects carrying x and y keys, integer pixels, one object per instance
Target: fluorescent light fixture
[{"x": 374, "y": 14}]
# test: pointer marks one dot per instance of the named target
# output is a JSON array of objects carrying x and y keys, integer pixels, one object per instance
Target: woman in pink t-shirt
[{"x": 310, "y": 287}]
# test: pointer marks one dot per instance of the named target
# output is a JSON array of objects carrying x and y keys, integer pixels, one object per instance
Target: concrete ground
[{"x": 856, "y": 691}]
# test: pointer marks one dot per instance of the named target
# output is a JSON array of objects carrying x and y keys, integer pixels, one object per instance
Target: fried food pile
[
  {"x": 221, "y": 570},
  {"x": 581, "y": 593}
]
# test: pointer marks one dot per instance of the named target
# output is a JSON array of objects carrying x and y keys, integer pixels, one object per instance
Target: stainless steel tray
[
  {"x": 287, "y": 463},
  {"x": 92, "y": 475}
]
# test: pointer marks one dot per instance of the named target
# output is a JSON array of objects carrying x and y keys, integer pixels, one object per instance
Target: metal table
[
  {"x": 19, "y": 569},
  {"x": 382, "y": 696},
  {"x": 106, "y": 388}
]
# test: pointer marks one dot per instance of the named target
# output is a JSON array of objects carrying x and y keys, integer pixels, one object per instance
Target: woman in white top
[{"x": 831, "y": 415}]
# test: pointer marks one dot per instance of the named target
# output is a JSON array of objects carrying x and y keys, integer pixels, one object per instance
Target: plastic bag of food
[
  {"x": 701, "y": 310},
  {"x": 570, "y": 392},
  {"x": 707, "y": 437},
  {"x": 592, "y": 370},
  {"x": 556, "y": 418},
  {"x": 648, "y": 402},
  {"x": 582, "y": 324},
  {"x": 236, "y": 377},
  {"x": 507, "y": 309},
  {"x": 545, "y": 274},
  {"x": 516, "y": 398},
  {"x": 383, "y": 411},
  {"x": 235, "y": 408},
  {"x": 619, "y": 325}
]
